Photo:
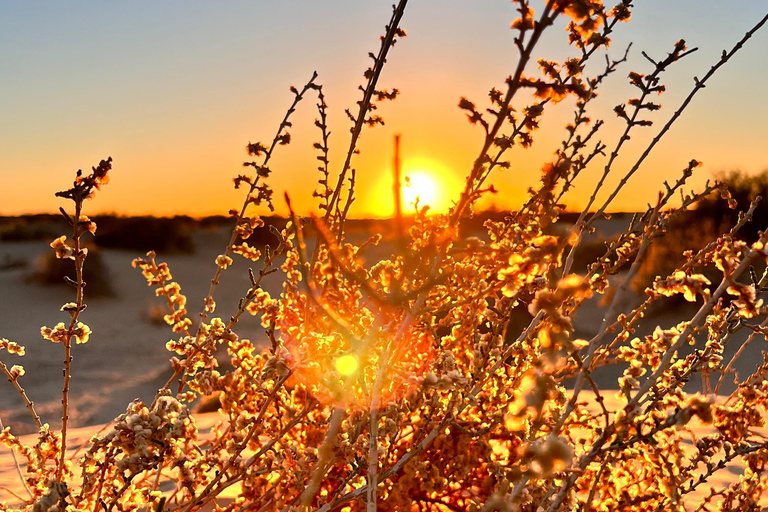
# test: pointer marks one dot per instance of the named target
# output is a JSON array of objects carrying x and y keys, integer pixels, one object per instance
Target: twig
[
  {"x": 256, "y": 423},
  {"x": 632, "y": 406},
  {"x": 632, "y": 121},
  {"x": 323, "y": 459},
  {"x": 206, "y": 497},
  {"x": 299, "y": 95},
  {"x": 365, "y": 103},
  {"x": 79, "y": 256},
  {"x": 699, "y": 84},
  {"x": 373, "y": 441},
  {"x": 397, "y": 195},
  {"x": 23, "y": 394}
]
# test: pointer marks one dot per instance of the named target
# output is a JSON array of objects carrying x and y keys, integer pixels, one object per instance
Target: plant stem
[
  {"x": 365, "y": 103},
  {"x": 27, "y": 402},
  {"x": 16, "y": 463},
  {"x": 79, "y": 256},
  {"x": 324, "y": 456}
]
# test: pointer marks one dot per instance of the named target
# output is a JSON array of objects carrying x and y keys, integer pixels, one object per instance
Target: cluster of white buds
[
  {"x": 145, "y": 436},
  {"x": 446, "y": 381},
  {"x": 50, "y": 500},
  {"x": 275, "y": 367}
]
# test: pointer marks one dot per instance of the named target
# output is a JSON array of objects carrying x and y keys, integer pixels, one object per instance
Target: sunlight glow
[
  {"x": 427, "y": 178},
  {"x": 422, "y": 186},
  {"x": 346, "y": 364}
]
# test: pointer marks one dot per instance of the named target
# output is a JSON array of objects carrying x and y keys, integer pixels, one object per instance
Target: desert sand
[{"x": 126, "y": 357}]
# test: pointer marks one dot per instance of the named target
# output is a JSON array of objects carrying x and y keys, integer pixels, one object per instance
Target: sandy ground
[{"x": 126, "y": 356}]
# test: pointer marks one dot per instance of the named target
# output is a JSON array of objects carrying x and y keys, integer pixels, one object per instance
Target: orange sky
[{"x": 174, "y": 91}]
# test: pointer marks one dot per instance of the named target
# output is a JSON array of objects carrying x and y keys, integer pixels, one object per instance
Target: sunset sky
[{"x": 173, "y": 91}]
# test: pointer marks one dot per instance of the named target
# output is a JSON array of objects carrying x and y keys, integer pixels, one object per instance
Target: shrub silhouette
[
  {"x": 30, "y": 227},
  {"x": 713, "y": 216},
  {"x": 742, "y": 189},
  {"x": 52, "y": 271},
  {"x": 142, "y": 234}
]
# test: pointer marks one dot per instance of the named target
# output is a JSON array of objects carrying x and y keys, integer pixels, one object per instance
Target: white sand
[{"x": 126, "y": 356}]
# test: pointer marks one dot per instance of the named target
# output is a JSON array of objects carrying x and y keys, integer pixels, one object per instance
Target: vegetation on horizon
[{"x": 402, "y": 384}]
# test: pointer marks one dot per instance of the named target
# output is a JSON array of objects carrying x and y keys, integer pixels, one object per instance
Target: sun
[
  {"x": 427, "y": 179},
  {"x": 420, "y": 186}
]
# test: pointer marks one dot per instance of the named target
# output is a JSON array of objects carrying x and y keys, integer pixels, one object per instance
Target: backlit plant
[{"x": 400, "y": 384}]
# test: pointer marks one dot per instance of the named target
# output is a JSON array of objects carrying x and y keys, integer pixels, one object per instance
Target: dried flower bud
[
  {"x": 223, "y": 261},
  {"x": 16, "y": 371},
  {"x": 548, "y": 456},
  {"x": 62, "y": 249},
  {"x": 12, "y": 347}
]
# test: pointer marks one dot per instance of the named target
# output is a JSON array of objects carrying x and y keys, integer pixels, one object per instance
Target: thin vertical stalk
[
  {"x": 323, "y": 458},
  {"x": 16, "y": 463},
  {"x": 27, "y": 402},
  {"x": 397, "y": 194},
  {"x": 79, "y": 256}
]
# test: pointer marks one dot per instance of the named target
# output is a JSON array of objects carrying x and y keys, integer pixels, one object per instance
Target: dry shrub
[
  {"x": 9, "y": 263},
  {"x": 30, "y": 227},
  {"x": 434, "y": 378},
  {"x": 167, "y": 235},
  {"x": 49, "y": 270}
]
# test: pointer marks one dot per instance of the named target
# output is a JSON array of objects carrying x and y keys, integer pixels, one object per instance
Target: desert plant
[
  {"x": 48, "y": 269},
  {"x": 9, "y": 263},
  {"x": 402, "y": 384},
  {"x": 29, "y": 227},
  {"x": 169, "y": 235},
  {"x": 713, "y": 216}
]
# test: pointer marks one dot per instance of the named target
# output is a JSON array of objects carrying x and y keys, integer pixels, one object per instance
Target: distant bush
[
  {"x": 9, "y": 263},
  {"x": 52, "y": 271},
  {"x": 724, "y": 212},
  {"x": 30, "y": 228},
  {"x": 142, "y": 234},
  {"x": 264, "y": 235},
  {"x": 215, "y": 222},
  {"x": 713, "y": 216}
]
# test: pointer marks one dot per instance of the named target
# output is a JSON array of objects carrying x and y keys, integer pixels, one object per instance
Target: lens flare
[
  {"x": 346, "y": 365},
  {"x": 340, "y": 374}
]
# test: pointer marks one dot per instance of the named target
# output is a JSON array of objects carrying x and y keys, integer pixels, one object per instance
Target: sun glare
[
  {"x": 420, "y": 186},
  {"x": 346, "y": 365},
  {"x": 427, "y": 179}
]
